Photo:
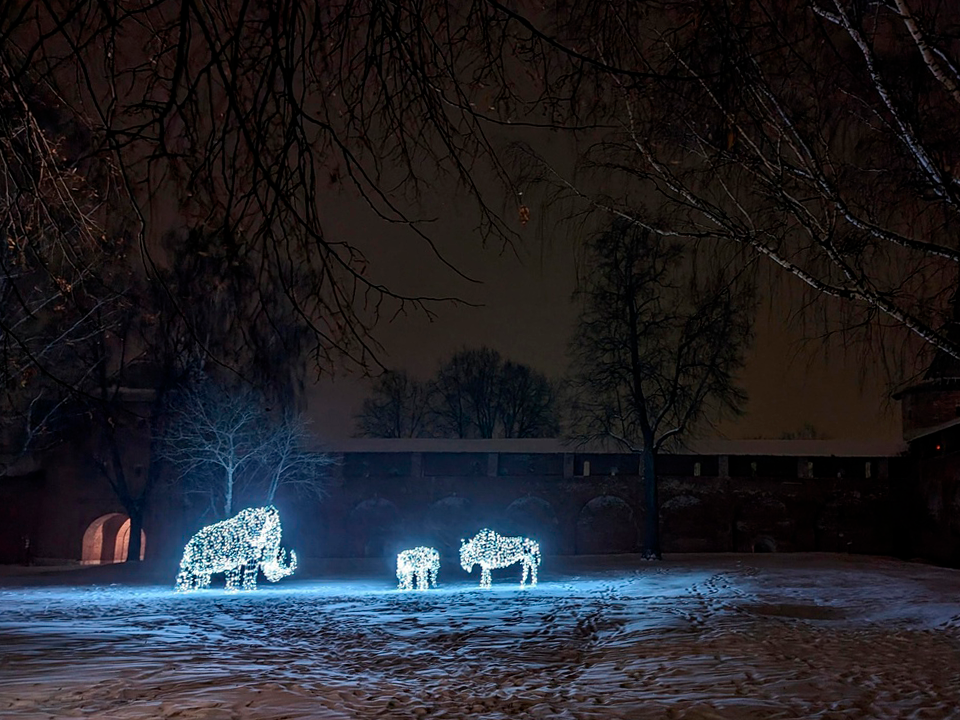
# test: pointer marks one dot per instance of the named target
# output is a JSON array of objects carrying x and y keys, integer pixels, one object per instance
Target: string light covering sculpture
[
  {"x": 489, "y": 550},
  {"x": 420, "y": 562},
  {"x": 239, "y": 547}
]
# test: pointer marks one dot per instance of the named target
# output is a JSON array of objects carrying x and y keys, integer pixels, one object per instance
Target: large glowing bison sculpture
[
  {"x": 422, "y": 563},
  {"x": 489, "y": 550},
  {"x": 240, "y": 547}
]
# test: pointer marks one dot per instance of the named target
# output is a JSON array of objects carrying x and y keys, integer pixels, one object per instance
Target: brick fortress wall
[
  {"x": 381, "y": 502},
  {"x": 584, "y": 504}
]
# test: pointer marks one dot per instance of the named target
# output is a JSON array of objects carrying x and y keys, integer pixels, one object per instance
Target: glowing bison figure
[
  {"x": 241, "y": 546},
  {"x": 422, "y": 563},
  {"x": 489, "y": 550}
]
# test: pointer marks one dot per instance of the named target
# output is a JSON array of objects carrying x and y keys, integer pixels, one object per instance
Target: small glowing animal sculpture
[
  {"x": 240, "y": 546},
  {"x": 420, "y": 562},
  {"x": 492, "y": 550}
]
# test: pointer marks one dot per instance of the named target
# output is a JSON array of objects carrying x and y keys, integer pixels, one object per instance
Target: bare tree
[
  {"x": 660, "y": 338},
  {"x": 466, "y": 394},
  {"x": 145, "y": 359},
  {"x": 69, "y": 302},
  {"x": 291, "y": 463},
  {"x": 229, "y": 447},
  {"x": 817, "y": 133},
  {"x": 475, "y": 393},
  {"x": 122, "y": 422},
  {"x": 216, "y": 440},
  {"x": 60, "y": 285},
  {"x": 244, "y": 118},
  {"x": 528, "y": 403},
  {"x": 142, "y": 364},
  {"x": 398, "y": 407}
]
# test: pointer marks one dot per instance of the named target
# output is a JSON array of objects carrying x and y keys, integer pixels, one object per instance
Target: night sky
[{"x": 528, "y": 315}]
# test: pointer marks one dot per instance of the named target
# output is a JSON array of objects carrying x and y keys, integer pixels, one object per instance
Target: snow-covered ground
[{"x": 723, "y": 636}]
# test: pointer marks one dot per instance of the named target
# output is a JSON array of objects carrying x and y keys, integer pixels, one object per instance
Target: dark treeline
[{"x": 474, "y": 394}]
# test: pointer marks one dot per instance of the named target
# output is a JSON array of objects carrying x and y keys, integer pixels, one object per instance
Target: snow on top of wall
[{"x": 716, "y": 446}]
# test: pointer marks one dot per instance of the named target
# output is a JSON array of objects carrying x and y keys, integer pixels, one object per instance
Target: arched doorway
[
  {"x": 535, "y": 518},
  {"x": 107, "y": 538}
]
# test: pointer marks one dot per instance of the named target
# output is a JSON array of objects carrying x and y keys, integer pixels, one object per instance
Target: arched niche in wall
[
  {"x": 762, "y": 523},
  {"x": 535, "y": 518},
  {"x": 688, "y": 524},
  {"x": 448, "y": 521},
  {"x": 107, "y": 539},
  {"x": 373, "y": 528},
  {"x": 605, "y": 525}
]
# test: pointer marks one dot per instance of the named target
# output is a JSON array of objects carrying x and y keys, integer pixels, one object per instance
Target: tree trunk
[
  {"x": 651, "y": 520},
  {"x": 228, "y": 496},
  {"x": 136, "y": 529},
  {"x": 272, "y": 490}
]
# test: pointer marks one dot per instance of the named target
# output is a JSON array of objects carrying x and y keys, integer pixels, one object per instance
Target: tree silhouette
[
  {"x": 528, "y": 402},
  {"x": 242, "y": 119},
  {"x": 474, "y": 394},
  {"x": 660, "y": 338},
  {"x": 398, "y": 408},
  {"x": 816, "y": 134},
  {"x": 466, "y": 394}
]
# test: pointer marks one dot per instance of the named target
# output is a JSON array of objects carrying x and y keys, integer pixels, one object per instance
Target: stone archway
[
  {"x": 535, "y": 518},
  {"x": 605, "y": 525},
  {"x": 373, "y": 528},
  {"x": 106, "y": 540}
]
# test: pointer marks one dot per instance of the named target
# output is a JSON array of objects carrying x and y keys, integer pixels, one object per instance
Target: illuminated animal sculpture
[
  {"x": 239, "y": 547},
  {"x": 491, "y": 550},
  {"x": 420, "y": 562}
]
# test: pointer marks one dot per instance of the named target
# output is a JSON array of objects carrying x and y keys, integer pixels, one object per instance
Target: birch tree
[
  {"x": 291, "y": 462},
  {"x": 215, "y": 441},
  {"x": 227, "y": 446}
]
